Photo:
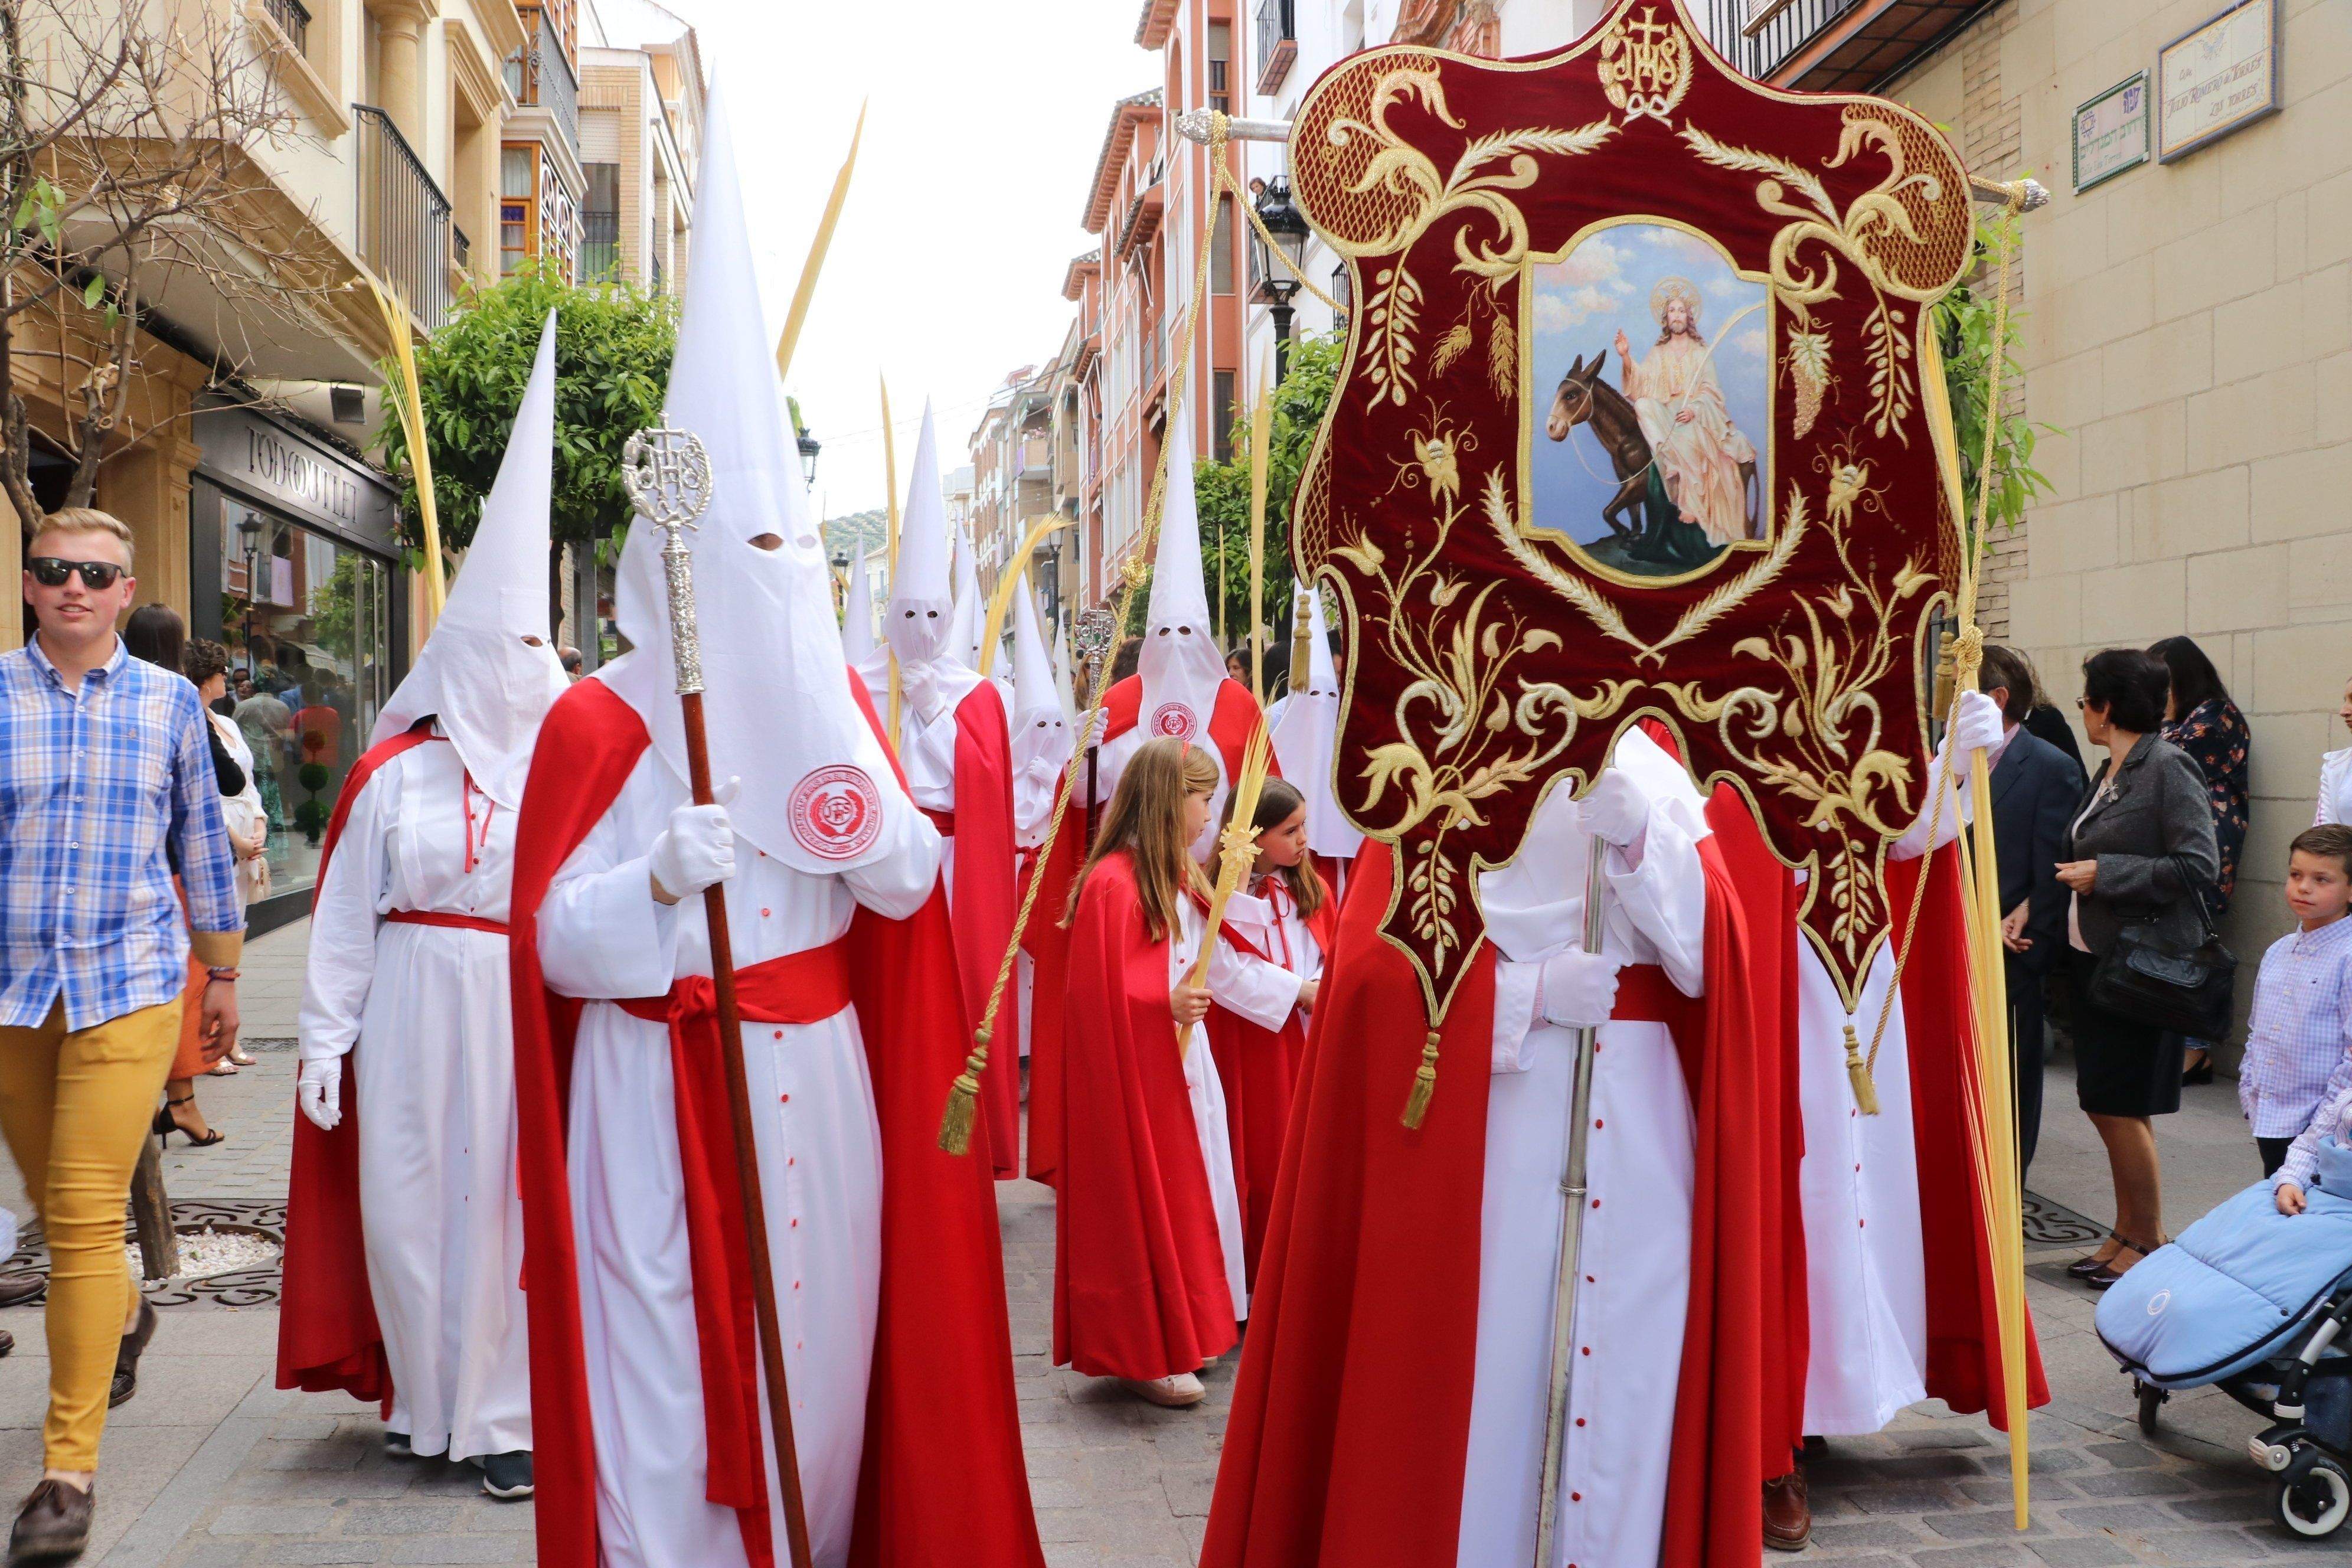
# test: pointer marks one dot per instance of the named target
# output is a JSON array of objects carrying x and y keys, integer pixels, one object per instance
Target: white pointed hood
[
  {"x": 918, "y": 618},
  {"x": 857, "y": 614},
  {"x": 970, "y": 605},
  {"x": 1180, "y": 665},
  {"x": 1062, "y": 688},
  {"x": 777, "y": 704},
  {"x": 489, "y": 687},
  {"x": 1041, "y": 731},
  {"x": 1305, "y": 736}
]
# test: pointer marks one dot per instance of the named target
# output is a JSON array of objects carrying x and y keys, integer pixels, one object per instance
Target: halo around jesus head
[{"x": 1670, "y": 290}]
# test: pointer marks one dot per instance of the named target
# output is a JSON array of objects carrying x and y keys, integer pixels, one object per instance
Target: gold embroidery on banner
[{"x": 1645, "y": 66}]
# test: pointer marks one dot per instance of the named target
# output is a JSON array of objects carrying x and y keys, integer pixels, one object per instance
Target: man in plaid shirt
[
  {"x": 106, "y": 781},
  {"x": 2299, "y": 1037}
]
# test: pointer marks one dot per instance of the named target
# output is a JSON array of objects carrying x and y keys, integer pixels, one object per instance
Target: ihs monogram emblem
[{"x": 1644, "y": 64}]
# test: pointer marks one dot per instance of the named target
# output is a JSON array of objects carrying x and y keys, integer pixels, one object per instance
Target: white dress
[
  {"x": 601, "y": 934},
  {"x": 1635, "y": 1256},
  {"x": 2335, "y": 788},
  {"x": 1865, "y": 1262},
  {"x": 1263, "y": 994},
  {"x": 434, "y": 1080}
]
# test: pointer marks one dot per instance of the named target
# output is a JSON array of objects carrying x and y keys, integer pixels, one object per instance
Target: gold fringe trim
[
  {"x": 1857, "y": 1073},
  {"x": 1424, "y": 1084}
]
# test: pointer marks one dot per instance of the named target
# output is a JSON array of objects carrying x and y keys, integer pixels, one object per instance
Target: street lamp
[
  {"x": 1288, "y": 228},
  {"x": 809, "y": 449},
  {"x": 248, "y": 530},
  {"x": 840, "y": 578}
]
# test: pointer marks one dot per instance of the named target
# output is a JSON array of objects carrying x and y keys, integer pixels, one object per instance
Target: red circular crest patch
[
  {"x": 1174, "y": 718},
  {"x": 836, "y": 813}
]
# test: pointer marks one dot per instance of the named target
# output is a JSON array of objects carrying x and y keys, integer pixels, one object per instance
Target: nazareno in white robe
[
  {"x": 1865, "y": 1260},
  {"x": 603, "y": 935},
  {"x": 1635, "y": 1260},
  {"x": 433, "y": 1079}
]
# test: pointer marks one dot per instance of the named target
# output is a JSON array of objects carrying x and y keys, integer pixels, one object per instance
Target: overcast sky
[{"x": 946, "y": 271}]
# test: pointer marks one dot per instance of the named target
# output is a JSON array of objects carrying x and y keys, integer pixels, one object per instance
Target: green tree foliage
[
  {"x": 1964, "y": 324},
  {"x": 1224, "y": 492},
  {"x": 613, "y": 349}
]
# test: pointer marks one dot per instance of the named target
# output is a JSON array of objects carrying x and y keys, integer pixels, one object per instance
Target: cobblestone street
[{"x": 210, "y": 1466}]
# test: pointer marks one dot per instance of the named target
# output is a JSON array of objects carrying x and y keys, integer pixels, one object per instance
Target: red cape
[
  {"x": 1351, "y": 1416},
  {"x": 1938, "y": 1023},
  {"x": 1138, "y": 1271},
  {"x": 942, "y": 1478},
  {"x": 327, "y": 1337},
  {"x": 1047, "y": 943},
  {"x": 984, "y": 905},
  {"x": 1258, "y": 1069}
]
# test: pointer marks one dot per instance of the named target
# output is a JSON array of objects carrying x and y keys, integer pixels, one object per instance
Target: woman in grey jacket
[{"x": 2140, "y": 849}]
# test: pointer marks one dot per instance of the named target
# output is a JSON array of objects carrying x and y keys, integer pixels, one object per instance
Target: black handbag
[{"x": 2185, "y": 989}]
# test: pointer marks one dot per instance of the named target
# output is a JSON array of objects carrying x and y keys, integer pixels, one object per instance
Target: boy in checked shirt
[{"x": 2296, "y": 1081}]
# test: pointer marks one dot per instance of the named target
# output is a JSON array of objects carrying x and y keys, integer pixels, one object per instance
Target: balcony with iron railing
[
  {"x": 293, "y": 20},
  {"x": 1276, "y": 31},
  {"x": 540, "y": 76},
  {"x": 403, "y": 218},
  {"x": 600, "y": 245},
  {"x": 1830, "y": 45}
]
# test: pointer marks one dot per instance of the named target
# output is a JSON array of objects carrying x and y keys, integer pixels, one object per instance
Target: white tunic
[
  {"x": 1635, "y": 1256},
  {"x": 1865, "y": 1265},
  {"x": 1270, "y": 921},
  {"x": 601, "y": 934},
  {"x": 2335, "y": 788},
  {"x": 1263, "y": 994},
  {"x": 434, "y": 1086}
]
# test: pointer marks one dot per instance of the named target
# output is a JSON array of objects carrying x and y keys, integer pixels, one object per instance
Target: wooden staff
[
  {"x": 1238, "y": 849},
  {"x": 667, "y": 476},
  {"x": 1260, "y": 420}
]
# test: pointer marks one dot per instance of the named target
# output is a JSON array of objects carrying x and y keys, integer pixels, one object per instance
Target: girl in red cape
[
  {"x": 1288, "y": 916},
  {"x": 1148, "y": 1281}
]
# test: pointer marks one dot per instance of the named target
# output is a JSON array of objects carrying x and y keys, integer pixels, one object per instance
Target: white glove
[
  {"x": 319, "y": 1090},
  {"x": 1615, "y": 811},
  {"x": 919, "y": 685},
  {"x": 698, "y": 849},
  {"x": 1976, "y": 727},
  {"x": 1578, "y": 989}
]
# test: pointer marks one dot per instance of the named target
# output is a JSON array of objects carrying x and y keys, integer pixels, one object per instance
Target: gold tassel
[
  {"x": 1424, "y": 1085},
  {"x": 1857, "y": 1073},
  {"x": 1302, "y": 629},
  {"x": 963, "y": 1100}
]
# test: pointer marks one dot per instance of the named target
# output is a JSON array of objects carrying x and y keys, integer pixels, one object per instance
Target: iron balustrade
[
  {"x": 1276, "y": 31},
  {"x": 541, "y": 77},
  {"x": 293, "y": 20},
  {"x": 1778, "y": 41},
  {"x": 600, "y": 245},
  {"x": 461, "y": 250},
  {"x": 403, "y": 217}
]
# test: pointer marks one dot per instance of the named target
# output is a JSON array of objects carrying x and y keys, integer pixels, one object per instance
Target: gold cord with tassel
[
  {"x": 1858, "y": 1074},
  {"x": 1424, "y": 1084}
]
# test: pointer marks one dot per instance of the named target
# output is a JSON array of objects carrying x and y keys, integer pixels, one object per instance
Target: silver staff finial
[
  {"x": 1092, "y": 638},
  {"x": 667, "y": 476}
]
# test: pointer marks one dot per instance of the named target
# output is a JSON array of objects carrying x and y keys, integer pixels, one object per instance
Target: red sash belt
[
  {"x": 1644, "y": 995},
  {"x": 804, "y": 987},
  {"x": 446, "y": 920},
  {"x": 942, "y": 820}
]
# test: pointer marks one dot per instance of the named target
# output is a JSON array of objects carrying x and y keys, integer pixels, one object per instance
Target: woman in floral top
[{"x": 2201, "y": 721}]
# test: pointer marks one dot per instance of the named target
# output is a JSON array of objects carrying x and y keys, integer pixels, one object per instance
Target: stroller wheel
[
  {"x": 2313, "y": 1497},
  {"x": 2151, "y": 1400}
]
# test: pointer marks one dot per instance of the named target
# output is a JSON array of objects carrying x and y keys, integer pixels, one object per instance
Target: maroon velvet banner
[{"x": 1638, "y": 417}]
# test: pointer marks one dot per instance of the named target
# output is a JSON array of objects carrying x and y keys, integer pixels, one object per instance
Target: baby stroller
[{"x": 2260, "y": 1304}]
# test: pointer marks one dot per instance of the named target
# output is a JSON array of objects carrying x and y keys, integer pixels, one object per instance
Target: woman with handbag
[
  {"x": 207, "y": 664},
  {"x": 2138, "y": 860}
]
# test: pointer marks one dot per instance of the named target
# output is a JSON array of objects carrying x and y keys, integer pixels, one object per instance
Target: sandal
[
  {"x": 222, "y": 1068},
  {"x": 166, "y": 1124},
  {"x": 2090, "y": 1263},
  {"x": 2106, "y": 1276},
  {"x": 240, "y": 1055}
]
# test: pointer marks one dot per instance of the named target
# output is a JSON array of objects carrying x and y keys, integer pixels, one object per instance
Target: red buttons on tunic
[
  {"x": 1580, "y": 1421},
  {"x": 1596, "y": 1202},
  {"x": 1587, "y": 1351},
  {"x": 763, "y": 915},
  {"x": 780, "y": 1035},
  {"x": 1597, "y": 1123}
]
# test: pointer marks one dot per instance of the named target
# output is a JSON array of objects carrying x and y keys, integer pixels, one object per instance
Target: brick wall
[{"x": 2189, "y": 328}]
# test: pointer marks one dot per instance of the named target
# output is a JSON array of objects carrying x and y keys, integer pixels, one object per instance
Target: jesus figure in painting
[{"x": 1700, "y": 452}]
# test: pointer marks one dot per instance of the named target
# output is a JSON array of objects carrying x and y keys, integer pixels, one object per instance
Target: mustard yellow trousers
[{"x": 75, "y": 1105}]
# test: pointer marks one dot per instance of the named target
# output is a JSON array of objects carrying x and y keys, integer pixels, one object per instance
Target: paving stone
[{"x": 2087, "y": 1551}]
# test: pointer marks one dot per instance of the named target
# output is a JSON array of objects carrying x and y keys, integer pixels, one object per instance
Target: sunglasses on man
[{"x": 50, "y": 572}]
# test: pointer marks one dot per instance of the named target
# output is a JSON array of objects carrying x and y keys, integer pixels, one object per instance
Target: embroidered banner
[{"x": 1635, "y": 419}]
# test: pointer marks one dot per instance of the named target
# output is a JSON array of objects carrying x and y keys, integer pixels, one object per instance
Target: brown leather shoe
[
  {"x": 1788, "y": 1512},
  {"x": 21, "y": 1287},
  {"x": 54, "y": 1524}
]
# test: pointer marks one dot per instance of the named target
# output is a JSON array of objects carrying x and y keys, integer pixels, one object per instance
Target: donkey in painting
[{"x": 1584, "y": 397}]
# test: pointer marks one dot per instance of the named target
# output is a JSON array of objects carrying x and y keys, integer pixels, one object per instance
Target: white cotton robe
[
  {"x": 1865, "y": 1262},
  {"x": 1635, "y": 1258},
  {"x": 603, "y": 935},
  {"x": 433, "y": 1078},
  {"x": 1263, "y": 994}
]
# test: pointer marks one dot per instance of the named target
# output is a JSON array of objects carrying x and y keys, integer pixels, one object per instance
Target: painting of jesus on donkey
[{"x": 1652, "y": 375}]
